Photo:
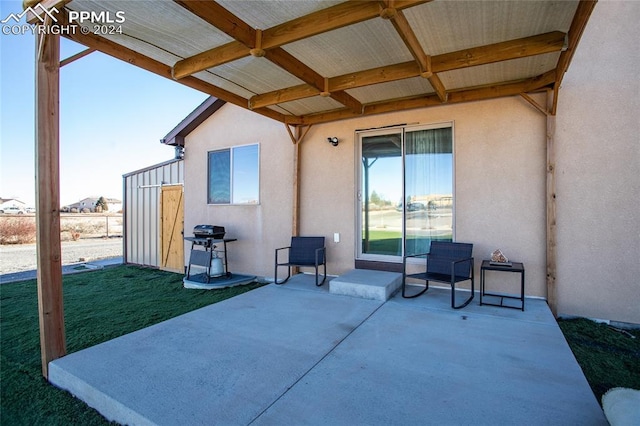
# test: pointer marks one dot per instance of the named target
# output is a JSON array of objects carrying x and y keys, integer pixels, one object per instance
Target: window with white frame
[{"x": 234, "y": 175}]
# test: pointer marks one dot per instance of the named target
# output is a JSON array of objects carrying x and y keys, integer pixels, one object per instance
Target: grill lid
[{"x": 209, "y": 231}]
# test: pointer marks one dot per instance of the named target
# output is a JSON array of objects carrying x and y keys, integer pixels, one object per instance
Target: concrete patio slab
[
  {"x": 296, "y": 354},
  {"x": 375, "y": 285}
]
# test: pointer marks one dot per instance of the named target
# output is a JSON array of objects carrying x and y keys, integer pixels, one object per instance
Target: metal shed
[{"x": 142, "y": 192}]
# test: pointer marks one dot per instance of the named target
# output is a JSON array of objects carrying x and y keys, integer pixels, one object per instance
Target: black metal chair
[
  {"x": 446, "y": 262},
  {"x": 303, "y": 251}
]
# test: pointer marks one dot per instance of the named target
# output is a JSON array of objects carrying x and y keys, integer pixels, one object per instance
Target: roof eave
[{"x": 176, "y": 136}]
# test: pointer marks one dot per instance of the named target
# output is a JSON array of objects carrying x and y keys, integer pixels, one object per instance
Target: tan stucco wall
[
  {"x": 499, "y": 184},
  {"x": 598, "y": 169},
  {"x": 499, "y": 151},
  {"x": 258, "y": 228}
]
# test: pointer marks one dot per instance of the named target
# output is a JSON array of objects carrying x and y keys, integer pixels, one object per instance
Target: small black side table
[{"x": 515, "y": 267}]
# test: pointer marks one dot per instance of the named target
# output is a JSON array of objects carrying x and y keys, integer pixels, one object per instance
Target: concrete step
[{"x": 367, "y": 284}]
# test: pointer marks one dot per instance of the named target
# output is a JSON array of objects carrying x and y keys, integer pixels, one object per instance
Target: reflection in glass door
[
  {"x": 381, "y": 194},
  {"x": 406, "y": 191},
  {"x": 428, "y": 188}
]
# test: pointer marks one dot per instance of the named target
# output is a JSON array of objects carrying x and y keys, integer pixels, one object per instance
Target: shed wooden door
[{"x": 172, "y": 227}]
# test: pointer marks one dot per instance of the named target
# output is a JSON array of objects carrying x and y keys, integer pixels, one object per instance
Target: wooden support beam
[
  {"x": 297, "y": 141},
  {"x": 338, "y": 16},
  {"x": 580, "y": 19},
  {"x": 467, "y": 95},
  {"x": 534, "y": 103},
  {"x": 208, "y": 59},
  {"x": 497, "y": 52},
  {"x": 253, "y": 40},
  {"x": 482, "y": 55},
  {"x": 222, "y": 19},
  {"x": 47, "y": 156},
  {"x": 551, "y": 237},
  {"x": 410, "y": 40},
  {"x": 295, "y": 67},
  {"x": 329, "y": 19},
  {"x": 294, "y": 93},
  {"x": 127, "y": 55},
  {"x": 76, "y": 57},
  {"x": 295, "y": 214}
]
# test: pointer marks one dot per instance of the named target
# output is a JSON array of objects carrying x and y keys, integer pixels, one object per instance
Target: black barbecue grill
[
  {"x": 206, "y": 236},
  {"x": 209, "y": 231}
]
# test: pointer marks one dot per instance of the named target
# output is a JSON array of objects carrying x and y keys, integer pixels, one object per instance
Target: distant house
[
  {"x": 12, "y": 202},
  {"x": 114, "y": 204}
]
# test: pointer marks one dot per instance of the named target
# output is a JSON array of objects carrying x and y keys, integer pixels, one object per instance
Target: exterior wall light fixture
[
  {"x": 179, "y": 152},
  {"x": 333, "y": 140}
]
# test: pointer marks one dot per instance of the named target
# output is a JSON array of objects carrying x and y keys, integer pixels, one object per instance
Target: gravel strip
[{"x": 22, "y": 257}]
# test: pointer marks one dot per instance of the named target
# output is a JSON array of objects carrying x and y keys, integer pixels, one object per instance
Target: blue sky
[{"x": 113, "y": 116}]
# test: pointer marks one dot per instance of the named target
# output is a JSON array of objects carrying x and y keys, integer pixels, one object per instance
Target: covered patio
[
  {"x": 296, "y": 354},
  {"x": 305, "y": 64}
]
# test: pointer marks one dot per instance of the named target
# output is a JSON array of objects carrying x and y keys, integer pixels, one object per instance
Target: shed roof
[{"x": 305, "y": 62}]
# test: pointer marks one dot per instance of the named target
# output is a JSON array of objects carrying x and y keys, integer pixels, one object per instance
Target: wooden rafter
[
  {"x": 332, "y": 18},
  {"x": 288, "y": 62},
  {"x": 482, "y": 55},
  {"x": 266, "y": 44},
  {"x": 460, "y": 96},
  {"x": 410, "y": 40},
  {"x": 115, "y": 50},
  {"x": 253, "y": 40},
  {"x": 580, "y": 19}
]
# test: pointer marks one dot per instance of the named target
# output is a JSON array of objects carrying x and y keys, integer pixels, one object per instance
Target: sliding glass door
[
  {"x": 381, "y": 193},
  {"x": 406, "y": 191}
]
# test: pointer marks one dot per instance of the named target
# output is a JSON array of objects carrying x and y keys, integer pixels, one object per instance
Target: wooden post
[
  {"x": 297, "y": 140},
  {"x": 47, "y": 153},
  {"x": 296, "y": 184},
  {"x": 552, "y": 297}
]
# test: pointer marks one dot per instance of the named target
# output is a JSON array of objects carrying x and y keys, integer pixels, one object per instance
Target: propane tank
[{"x": 217, "y": 269}]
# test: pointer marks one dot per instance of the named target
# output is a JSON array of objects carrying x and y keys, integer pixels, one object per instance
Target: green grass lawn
[
  {"x": 99, "y": 306},
  {"x": 105, "y": 304},
  {"x": 609, "y": 357}
]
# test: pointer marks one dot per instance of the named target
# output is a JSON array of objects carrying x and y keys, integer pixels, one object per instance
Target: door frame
[{"x": 359, "y": 198}]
